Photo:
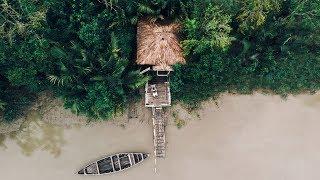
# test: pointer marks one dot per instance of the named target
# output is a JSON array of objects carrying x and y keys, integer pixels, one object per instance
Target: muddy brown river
[{"x": 254, "y": 137}]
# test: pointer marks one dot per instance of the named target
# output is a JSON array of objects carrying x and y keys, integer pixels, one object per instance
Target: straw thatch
[{"x": 158, "y": 45}]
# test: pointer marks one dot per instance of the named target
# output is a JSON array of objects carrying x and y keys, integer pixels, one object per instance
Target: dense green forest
[{"x": 84, "y": 50}]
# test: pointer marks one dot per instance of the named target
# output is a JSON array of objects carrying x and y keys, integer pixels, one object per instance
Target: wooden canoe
[{"x": 113, "y": 163}]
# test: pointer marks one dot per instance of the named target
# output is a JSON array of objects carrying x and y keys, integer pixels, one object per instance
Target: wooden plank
[
  {"x": 97, "y": 167},
  {"x": 130, "y": 159},
  {"x": 112, "y": 163},
  {"x": 119, "y": 162},
  {"x": 145, "y": 70},
  {"x": 159, "y": 133}
]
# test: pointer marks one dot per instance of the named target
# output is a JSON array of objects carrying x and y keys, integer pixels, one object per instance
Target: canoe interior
[{"x": 113, "y": 163}]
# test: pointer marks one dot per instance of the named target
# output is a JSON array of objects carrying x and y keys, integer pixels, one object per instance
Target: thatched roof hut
[{"x": 158, "y": 45}]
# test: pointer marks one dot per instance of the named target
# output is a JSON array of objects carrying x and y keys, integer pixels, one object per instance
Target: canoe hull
[{"x": 113, "y": 163}]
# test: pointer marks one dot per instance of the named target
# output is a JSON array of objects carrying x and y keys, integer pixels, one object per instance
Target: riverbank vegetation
[{"x": 84, "y": 50}]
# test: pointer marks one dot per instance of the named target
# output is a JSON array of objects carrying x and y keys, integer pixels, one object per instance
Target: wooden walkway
[
  {"x": 162, "y": 98},
  {"x": 159, "y": 132}
]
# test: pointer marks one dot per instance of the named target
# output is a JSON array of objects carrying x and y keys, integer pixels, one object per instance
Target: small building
[{"x": 158, "y": 49}]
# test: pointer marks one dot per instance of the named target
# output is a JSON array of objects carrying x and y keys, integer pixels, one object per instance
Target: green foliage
[
  {"x": 279, "y": 56},
  {"x": 14, "y": 101},
  {"x": 21, "y": 76},
  {"x": 84, "y": 50},
  {"x": 206, "y": 30},
  {"x": 160, "y": 9},
  {"x": 135, "y": 80},
  {"x": 90, "y": 33},
  {"x": 22, "y": 18},
  {"x": 2, "y": 105},
  {"x": 254, "y": 13},
  {"x": 92, "y": 72}
]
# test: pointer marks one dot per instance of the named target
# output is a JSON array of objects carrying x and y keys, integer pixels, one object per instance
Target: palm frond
[
  {"x": 136, "y": 80},
  {"x": 84, "y": 70},
  {"x": 114, "y": 46},
  {"x": 145, "y": 9},
  {"x": 61, "y": 80}
]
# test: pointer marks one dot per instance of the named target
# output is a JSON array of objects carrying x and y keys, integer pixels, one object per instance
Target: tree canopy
[{"x": 84, "y": 50}]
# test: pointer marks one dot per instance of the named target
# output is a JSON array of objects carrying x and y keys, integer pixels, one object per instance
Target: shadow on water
[
  {"x": 2, "y": 139},
  {"x": 312, "y": 101},
  {"x": 35, "y": 134}
]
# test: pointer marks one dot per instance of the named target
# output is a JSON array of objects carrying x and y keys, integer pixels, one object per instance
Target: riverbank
[{"x": 242, "y": 137}]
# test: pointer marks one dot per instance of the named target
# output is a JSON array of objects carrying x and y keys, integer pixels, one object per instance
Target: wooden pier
[
  {"x": 158, "y": 49},
  {"x": 159, "y": 137},
  {"x": 157, "y": 96}
]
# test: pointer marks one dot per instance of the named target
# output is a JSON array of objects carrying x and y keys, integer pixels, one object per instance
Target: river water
[{"x": 254, "y": 137}]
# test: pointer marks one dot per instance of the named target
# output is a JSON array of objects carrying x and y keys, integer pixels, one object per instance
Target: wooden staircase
[{"x": 159, "y": 132}]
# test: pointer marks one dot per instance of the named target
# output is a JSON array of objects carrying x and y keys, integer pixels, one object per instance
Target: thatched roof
[{"x": 158, "y": 45}]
